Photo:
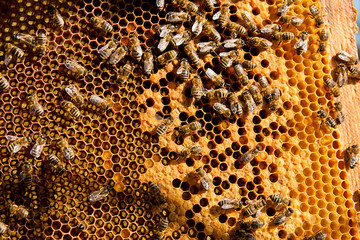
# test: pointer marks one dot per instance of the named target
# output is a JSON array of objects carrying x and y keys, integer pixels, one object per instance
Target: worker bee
[
  {"x": 256, "y": 94},
  {"x": 12, "y": 51},
  {"x": 99, "y": 102},
  {"x": 248, "y": 65},
  {"x": 163, "y": 126},
  {"x": 155, "y": 191},
  {"x": 252, "y": 225},
  {"x": 209, "y": 4},
  {"x": 316, "y": 15},
  {"x": 108, "y": 49},
  {"x": 346, "y": 57},
  {"x": 211, "y": 32},
  {"x": 237, "y": 29},
  {"x": 197, "y": 89},
  {"x": 265, "y": 88},
  {"x": 254, "y": 208},
  {"x": 166, "y": 57},
  {"x": 101, "y": 24},
  {"x": 323, "y": 37},
  {"x": 353, "y": 70},
  {"x": 41, "y": 45},
  {"x": 274, "y": 99},
  {"x": 75, "y": 67},
  {"x": 38, "y": 147},
  {"x": 325, "y": 119},
  {"x": 124, "y": 73},
  {"x": 25, "y": 38},
  {"x": 179, "y": 38},
  {"x": 233, "y": 43},
  {"x": 55, "y": 163},
  {"x": 280, "y": 201},
  {"x": 219, "y": 94},
  {"x": 283, "y": 36},
  {"x": 118, "y": 54},
  {"x": 250, "y": 155},
  {"x": 190, "y": 128},
  {"x": 227, "y": 203},
  {"x": 216, "y": 78},
  {"x": 4, "y": 229},
  {"x": 34, "y": 105},
  {"x": 164, "y": 42},
  {"x": 17, "y": 143},
  {"x": 295, "y": 21},
  {"x": 204, "y": 179},
  {"x": 302, "y": 44},
  {"x": 188, "y": 6},
  {"x": 175, "y": 17},
  {"x": 341, "y": 74},
  {"x": 160, "y": 4},
  {"x": 243, "y": 235},
  {"x": 148, "y": 61},
  {"x": 259, "y": 42},
  {"x": 271, "y": 29},
  {"x": 184, "y": 70},
  {"x": 340, "y": 117},
  {"x": 191, "y": 53},
  {"x": 161, "y": 228},
  {"x": 223, "y": 15},
  {"x": 334, "y": 88},
  {"x": 56, "y": 17},
  {"x": 198, "y": 25},
  {"x": 100, "y": 194},
  {"x": 4, "y": 83},
  {"x": 242, "y": 76},
  {"x": 19, "y": 211},
  {"x": 163, "y": 30},
  {"x": 227, "y": 58},
  {"x": 26, "y": 174},
  {"x": 283, "y": 217},
  {"x": 284, "y": 8},
  {"x": 248, "y": 21},
  {"x": 317, "y": 236},
  {"x": 75, "y": 95},
  {"x": 191, "y": 151},
  {"x": 351, "y": 156},
  {"x": 135, "y": 48},
  {"x": 66, "y": 149},
  {"x": 248, "y": 101},
  {"x": 222, "y": 110},
  {"x": 235, "y": 105},
  {"x": 70, "y": 108}
]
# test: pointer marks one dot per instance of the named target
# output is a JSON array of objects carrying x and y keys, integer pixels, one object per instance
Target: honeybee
[
  {"x": 323, "y": 37},
  {"x": 211, "y": 32},
  {"x": 317, "y": 236},
  {"x": 295, "y": 21},
  {"x": 274, "y": 100},
  {"x": 55, "y": 163},
  {"x": 4, "y": 229},
  {"x": 340, "y": 117},
  {"x": 248, "y": 21},
  {"x": 135, "y": 48},
  {"x": 75, "y": 95},
  {"x": 219, "y": 94},
  {"x": 26, "y": 174},
  {"x": 248, "y": 101},
  {"x": 325, "y": 119},
  {"x": 188, "y": 6},
  {"x": 148, "y": 61},
  {"x": 227, "y": 203},
  {"x": 198, "y": 25},
  {"x": 161, "y": 228},
  {"x": 180, "y": 38},
  {"x": 259, "y": 42},
  {"x": 155, "y": 191},
  {"x": 175, "y": 17},
  {"x": 271, "y": 29},
  {"x": 227, "y": 58},
  {"x": 280, "y": 201},
  {"x": 118, "y": 54},
  {"x": 166, "y": 57},
  {"x": 334, "y": 88},
  {"x": 204, "y": 179},
  {"x": 106, "y": 50},
  {"x": 283, "y": 36},
  {"x": 17, "y": 143},
  {"x": 163, "y": 126},
  {"x": 4, "y": 83},
  {"x": 316, "y": 15},
  {"x": 66, "y": 149},
  {"x": 346, "y": 57},
  {"x": 12, "y": 51},
  {"x": 353, "y": 70},
  {"x": 124, "y": 73},
  {"x": 99, "y": 102},
  {"x": 101, "y": 24},
  {"x": 237, "y": 29},
  {"x": 19, "y": 211},
  {"x": 34, "y": 105},
  {"x": 249, "y": 65},
  {"x": 256, "y": 94},
  {"x": 75, "y": 67},
  {"x": 41, "y": 43},
  {"x": 235, "y": 105},
  {"x": 242, "y": 76},
  {"x": 222, "y": 110},
  {"x": 254, "y": 207},
  {"x": 100, "y": 194},
  {"x": 209, "y": 4},
  {"x": 216, "y": 78},
  {"x": 282, "y": 217},
  {"x": 250, "y": 155},
  {"x": 197, "y": 89},
  {"x": 191, "y": 151},
  {"x": 190, "y": 128},
  {"x": 70, "y": 108},
  {"x": 25, "y": 38},
  {"x": 351, "y": 156},
  {"x": 38, "y": 147},
  {"x": 184, "y": 70},
  {"x": 233, "y": 43},
  {"x": 160, "y": 4},
  {"x": 243, "y": 235},
  {"x": 223, "y": 15},
  {"x": 163, "y": 30},
  {"x": 265, "y": 88},
  {"x": 164, "y": 42},
  {"x": 284, "y": 8},
  {"x": 302, "y": 44},
  {"x": 341, "y": 74},
  {"x": 56, "y": 17},
  {"x": 252, "y": 225},
  {"x": 191, "y": 53}
]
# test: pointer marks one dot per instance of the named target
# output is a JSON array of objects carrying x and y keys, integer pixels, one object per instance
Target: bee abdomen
[{"x": 4, "y": 84}]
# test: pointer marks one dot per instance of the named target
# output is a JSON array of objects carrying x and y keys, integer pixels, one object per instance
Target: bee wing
[
  {"x": 267, "y": 29},
  {"x": 160, "y": 4},
  {"x": 229, "y": 205},
  {"x": 11, "y": 137},
  {"x": 21, "y": 177},
  {"x": 180, "y": 69},
  {"x": 17, "y": 148},
  {"x": 26, "y": 38},
  {"x": 247, "y": 15},
  {"x": 71, "y": 65},
  {"x": 210, "y": 73},
  {"x": 344, "y": 56},
  {"x": 179, "y": 38},
  {"x": 36, "y": 150},
  {"x": 103, "y": 48},
  {"x": 158, "y": 117},
  {"x": 70, "y": 91},
  {"x": 306, "y": 45},
  {"x": 224, "y": 54},
  {"x": 299, "y": 43},
  {"x": 230, "y": 43},
  {"x": 163, "y": 43},
  {"x": 279, "y": 206},
  {"x": 8, "y": 58}
]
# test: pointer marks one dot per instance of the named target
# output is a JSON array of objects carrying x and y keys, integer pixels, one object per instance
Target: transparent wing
[
  {"x": 179, "y": 38},
  {"x": 163, "y": 43},
  {"x": 224, "y": 54},
  {"x": 205, "y": 182},
  {"x": 230, "y": 43},
  {"x": 70, "y": 91},
  {"x": 104, "y": 48},
  {"x": 8, "y": 58},
  {"x": 306, "y": 45},
  {"x": 138, "y": 49},
  {"x": 21, "y": 177},
  {"x": 299, "y": 43},
  {"x": 247, "y": 14},
  {"x": 25, "y": 38},
  {"x": 71, "y": 64},
  {"x": 217, "y": 15},
  {"x": 268, "y": 29},
  {"x": 11, "y": 137},
  {"x": 160, "y": 4},
  {"x": 210, "y": 73},
  {"x": 17, "y": 148},
  {"x": 180, "y": 69}
]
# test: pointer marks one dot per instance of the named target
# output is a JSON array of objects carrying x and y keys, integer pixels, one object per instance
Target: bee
[
  {"x": 280, "y": 201},
  {"x": 334, "y": 88},
  {"x": 100, "y": 194},
  {"x": 25, "y": 38},
  {"x": 249, "y": 65},
  {"x": 160, "y": 4},
  {"x": 75, "y": 67},
  {"x": 341, "y": 74},
  {"x": 17, "y": 143},
  {"x": 252, "y": 225},
  {"x": 223, "y": 15},
  {"x": 325, "y": 119},
  {"x": 161, "y": 228},
  {"x": 163, "y": 126},
  {"x": 274, "y": 99},
  {"x": 241, "y": 74},
  {"x": 284, "y": 8},
  {"x": 188, "y": 6},
  {"x": 163, "y": 30},
  {"x": 38, "y": 147},
  {"x": 155, "y": 191},
  {"x": 236, "y": 28},
  {"x": 135, "y": 48},
  {"x": 12, "y": 51},
  {"x": 41, "y": 45},
  {"x": 347, "y": 58},
  {"x": 227, "y": 203},
  {"x": 164, "y": 42},
  {"x": 259, "y": 42},
  {"x": 184, "y": 70},
  {"x": 4, "y": 229},
  {"x": 254, "y": 207},
  {"x": 235, "y": 105},
  {"x": 166, "y": 57},
  {"x": 191, "y": 53},
  {"x": 191, "y": 151},
  {"x": 55, "y": 163},
  {"x": 353, "y": 70},
  {"x": 19, "y": 211},
  {"x": 243, "y": 235},
  {"x": 271, "y": 29},
  {"x": 56, "y": 17},
  {"x": 99, "y": 102},
  {"x": 219, "y": 94},
  {"x": 323, "y": 37},
  {"x": 118, "y": 54},
  {"x": 248, "y": 21},
  {"x": 211, "y": 32},
  {"x": 216, "y": 78},
  {"x": 175, "y": 17},
  {"x": 204, "y": 179},
  {"x": 180, "y": 38},
  {"x": 282, "y": 217},
  {"x": 283, "y": 36},
  {"x": 227, "y": 58},
  {"x": 101, "y": 24},
  {"x": 295, "y": 21},
  {"x": 340, "y": 117},
  {"x": 148, "y": 61},
  {"x": 248, "y": 101},
  {"x": 190, "y": 128},
  {"x": 302, "y": 44},
  {"x": 209, "y": 4},
  {"x": 265, "y": 88},
  {"x": 222, "y": 110},
  {"x": 256, "y": 94},
  {"x": 4, "y": 83},
  {"x": 198, "y": 25},
  {"x": 70, "y": 108},
  {"x": 26, "y": 174},
  {"x": 314, "y": 11},
  {"x": 351, "y": 156},
  {"x": 197, "y": 89},
  {"x": 108, "y": 49},
  {"x": 73, "y": 91},
  {"x": 124, "y": 73},
  {"x": 233, "y": 43},
  {"x": 34, "y": 105},
  {"x": 66, "y": 149},
  {"x": 317, "y": 236},
  {"x": 250, "y": 155}
]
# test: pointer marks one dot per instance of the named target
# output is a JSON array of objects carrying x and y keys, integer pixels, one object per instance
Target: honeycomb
[{"x": 117, "y": 147}]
